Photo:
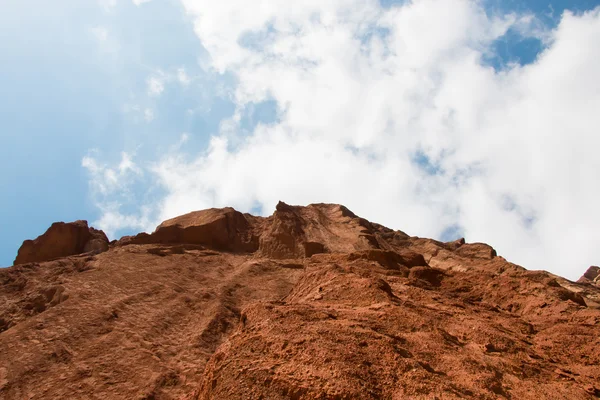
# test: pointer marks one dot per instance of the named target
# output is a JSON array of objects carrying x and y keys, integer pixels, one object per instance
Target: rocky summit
[{"x": 310, "y": 303}]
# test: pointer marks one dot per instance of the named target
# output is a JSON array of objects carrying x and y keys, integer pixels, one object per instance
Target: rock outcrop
[
  {"x": 592, "y": 275},
  {"x": 221, "y": 229},
  {"x": 310, "y": 303},
  {"x": 62, "y": 240}
]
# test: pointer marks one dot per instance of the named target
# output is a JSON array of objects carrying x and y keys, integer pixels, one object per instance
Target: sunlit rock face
[{"x": 309, "y": 303}]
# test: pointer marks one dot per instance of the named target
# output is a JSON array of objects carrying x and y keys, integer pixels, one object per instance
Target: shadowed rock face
[
  {"x": 592, "y": 275},
  {"x": 62, "y": 240},
  {"x": 309, "y": 303}
]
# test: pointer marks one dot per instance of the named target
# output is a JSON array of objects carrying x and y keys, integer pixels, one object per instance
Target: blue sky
[
  {"x": 107, "y": 78},
  {"x": 65, "y": 95}
]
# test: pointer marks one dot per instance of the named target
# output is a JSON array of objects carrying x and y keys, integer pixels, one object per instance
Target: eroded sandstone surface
[{"x": 310, "y": 303}]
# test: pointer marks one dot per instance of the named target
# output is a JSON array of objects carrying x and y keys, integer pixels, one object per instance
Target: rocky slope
[{"x": 310, "y": 303}]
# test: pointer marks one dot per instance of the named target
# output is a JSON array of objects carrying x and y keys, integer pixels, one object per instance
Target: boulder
[
  {"x": 476, "y": 250},
  {"x": 62, "y": 240},
  {"x": 592, "y": 275}
]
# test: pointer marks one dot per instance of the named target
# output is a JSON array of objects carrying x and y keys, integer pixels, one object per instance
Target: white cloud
[
  {"x": 148, "y": 115},
  {"x": 159, "y": 79},
  {"x": 140, "y": 2},
  {"x": 138, "y": 113},
  {"x": 156, "y": 85},
  {"x": 361, "y": 90},
  {"x": 107, "y": 43},
  {"x": 100, "y": 33},
  {"x": 106, "y": 180},
  {"x": 110, "y": 188},
  {"x": 107, "y": 5},
  {"x": 183, "y": 77},
  {"x": 113, "y": 220}
]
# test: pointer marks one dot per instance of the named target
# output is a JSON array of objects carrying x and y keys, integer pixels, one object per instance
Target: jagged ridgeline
[{"x": 310, "y": 303}]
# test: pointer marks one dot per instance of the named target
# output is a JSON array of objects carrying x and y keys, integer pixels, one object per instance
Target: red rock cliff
[{"x": 310, "y": 303}]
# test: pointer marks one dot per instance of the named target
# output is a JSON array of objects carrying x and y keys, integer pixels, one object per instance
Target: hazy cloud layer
[{"x": 398, "y": 114}]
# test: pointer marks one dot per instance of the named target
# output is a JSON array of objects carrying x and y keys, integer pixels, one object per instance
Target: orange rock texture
[{"x": 310, "y": 303}]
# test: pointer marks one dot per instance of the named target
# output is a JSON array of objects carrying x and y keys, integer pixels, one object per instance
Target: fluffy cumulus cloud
[{"x": 397, "y": 113}]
